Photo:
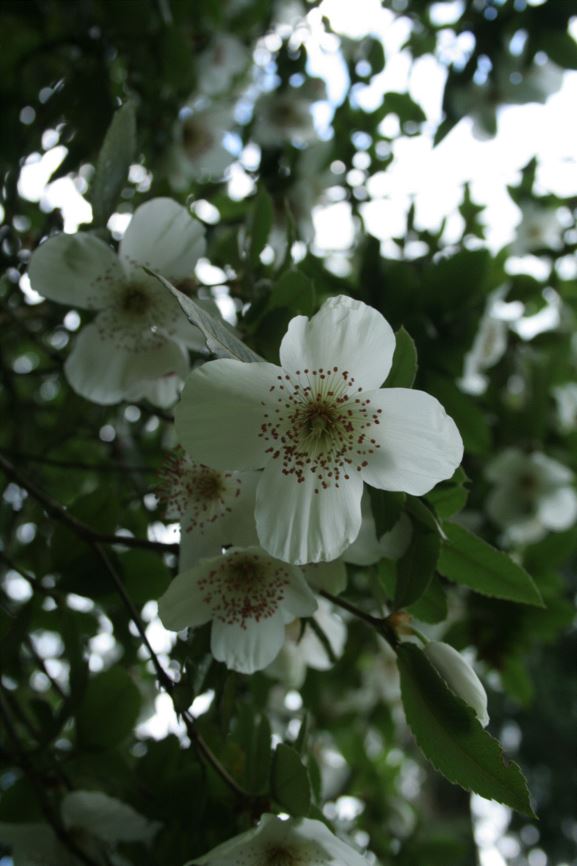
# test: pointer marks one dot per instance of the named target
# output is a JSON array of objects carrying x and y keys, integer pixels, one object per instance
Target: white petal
[
  {"x": 459, "y": 676},
  {"x": 420, "y": 443},
  {"x": 223, "y": 855},
  {"x": 340, "y": 853},
  {"x": 558, "y": 509},
  {"x": 101, "y": 371},
  {"x": 344, "y": 333},
  {"x": 219, "y": 417},
  {"x": 182, "y": 605},
  {"x": 165, "y": 237},
  {"x": 248, "y": 649},
  {"x": 365, "y": 549},
  {"x": 298, "y": 599},
  {"x": 295, "y": 524},
  {"x": 551, "y": 471},
  {"x": 72, "y": 269},
  {"x": 106, "y": 817}
]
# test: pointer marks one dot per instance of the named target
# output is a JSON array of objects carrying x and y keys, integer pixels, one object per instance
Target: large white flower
[
  {"x": 137, "y": 344},
  {"x": 320, "y": 426},
  {"x": 294, "y": 842},
  {"x": 532, "y": 494},
  {"x": 198, "y": 151},
  {"x": 215, "y": 509},
  {"x": 248, "y": 595}
]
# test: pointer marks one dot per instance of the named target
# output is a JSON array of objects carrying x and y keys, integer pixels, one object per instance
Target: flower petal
[
  {"x": 330, "y": 576},
  {"x": 558, "y": 510},
  {"x": 298, "y": 598},
  {"x": 182, "y": 605},
  {"x": 295, "y": 524},
  {"x": 249, "y": 649},
  {"x": 105, "y": 373},
  {"x": 365, "y": 549},
  {"x": 339, "y": 852},
  {"x": 71, "y": 269},
  {"x": 344, "y": 333},
  {"x": 221, "y": 411},
  {"x": 420, "y": 444},
  {"x": 164, "y": 236}
]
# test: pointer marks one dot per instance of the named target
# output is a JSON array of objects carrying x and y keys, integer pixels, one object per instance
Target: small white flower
[
  {"x": 215, "y": 509},
  {"x": 283, "y": 116},
  {"x": 224, "y": 59},
  {"x": 539, "y": 228},
  {"x": 137, "y": 344},
  {"x": 294, "y": 842},
  {"x": 533, "y": 494},
  {"x": 248, "y": 595},
  {"x": 198, "y": 151},
  {"x": 488, "y": 348},
  {"x": 321, "y": 427},
  {"x": 304, "y": 649},
  {"x": 566, "y": 399},
  {"x": 459, "y": 676}
]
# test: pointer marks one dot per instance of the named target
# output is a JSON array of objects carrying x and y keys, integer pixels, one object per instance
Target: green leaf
[
  {"x": 561, "y": 48},
  {"x": 405, "y": 362},
  {"x": 416, "y": 567},
  {"x": 108, "y": 711},
  {"x": 260, "y": 225},
  {"x": 116, "y": 154},
  {"x": 432, "y": 605},
  {"x": 219, "y": 339},
  {"x": 259, "y": 757},
  {"x": 145, "y": 575},
  {"x": 386, "y": 508},
  {"x": 469, "y": 560},
  {"x": 452, "y": 739},
  {"x": 295, "y": 291},
  {"x": 289, "y": 781}
]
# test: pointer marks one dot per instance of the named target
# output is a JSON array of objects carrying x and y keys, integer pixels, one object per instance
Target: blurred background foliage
[{"x": 78, "y": 691}]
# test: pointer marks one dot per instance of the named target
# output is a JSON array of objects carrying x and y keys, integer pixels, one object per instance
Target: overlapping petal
[
  {"x": 164, "y": 236},
  {"x": 221, "y": 411},
  {"x": 295, "y": 524},
  {"x": 75, "y": 270},
  {"x": 344, "y": 333},
  {"x": 250, "y": 648},
  {"x": 420, "y": 444},
  {"x": 182, "y": 605}
]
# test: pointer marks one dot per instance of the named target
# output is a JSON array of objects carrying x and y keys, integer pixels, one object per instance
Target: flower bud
[{"x": 459, "y": 676}]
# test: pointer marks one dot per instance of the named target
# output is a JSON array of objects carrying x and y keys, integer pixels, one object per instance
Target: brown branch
[{"x": 382, "y": 626}]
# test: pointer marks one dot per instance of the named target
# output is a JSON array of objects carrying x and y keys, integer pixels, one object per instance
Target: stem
[
  {"x": 75, "y": 464},
  {"x": 382, "y": 626}
]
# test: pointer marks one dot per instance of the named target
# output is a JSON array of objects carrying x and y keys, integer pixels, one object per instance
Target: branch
[
  {"x": 382, "y": 626},
  {"x": 56, "y": 510},
  {"x": 75, "y": 464}
]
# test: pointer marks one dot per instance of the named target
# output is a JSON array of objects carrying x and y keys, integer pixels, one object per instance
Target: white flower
[
  {"x": 532, "y": 494},
  {"x": 459, "y": 676},
  {"x": 566, "y": 399},
  {"x": 218, "y": 66},
  {"x": 321, "y": 427},
  {"x": 248, "y": 595},
  {"x": 368, "y": 548},
  {"x": 304, "y": 649},
  {"x": 539, "y": 228},
  {"x": 294, "y": 842},
  {"x": 488, "y": 348},
  {"x": 283, "y": 116},
  {"x": 137, "y": 344},
  {"x": 215, "y": 509},
  {"x": 198, "y": 151}
]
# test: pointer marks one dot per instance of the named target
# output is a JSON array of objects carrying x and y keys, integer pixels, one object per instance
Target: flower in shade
[
  {"x": 320, "y": 426},
  {"x": 215, "y": 509},
  {"x": 220, "y": 63},
  {"x": 137, "y": 344},
  {"x": 533, "y": 494},
  {"x": 248, "y": 596},
  {"x": 459, "y": 676},
  {"x": 285, "y": 116},
  {"x": 198, "y": 151},
  {"x": 566, "y": 404},
  {"x": 292, "y": 842},
  {"x": 540, "y": 229}
]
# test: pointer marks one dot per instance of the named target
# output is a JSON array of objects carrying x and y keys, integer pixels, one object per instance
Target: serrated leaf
[
  {"x": 116, "y": 155},
  {"x": 260, "y": 225},
  {"x": 468, "y": 560},
  {"x": 289, "y": 781},
  {"x": 405, "y": 362},
  {"x": 432, "y": 605},
  {"x": 452, "y": 739},
  {"x": 219, "y": 339}
]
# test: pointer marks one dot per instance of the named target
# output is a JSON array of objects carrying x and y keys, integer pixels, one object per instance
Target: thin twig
[
  {"x": 381, "y": 625},
  {"x": 56, "y": 510},
  {"x": 76, "y": 464}
]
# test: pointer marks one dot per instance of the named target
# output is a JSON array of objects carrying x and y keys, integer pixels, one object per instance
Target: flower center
[
  {"x": 135, "y": 300},
  {"x": 243, "y": 587},
  {"x": 320, "y": 425},
  {"x": 278, "y": 856},
  {"x": 196, "y": 139},
  {"x": 196, "y": 494}
]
